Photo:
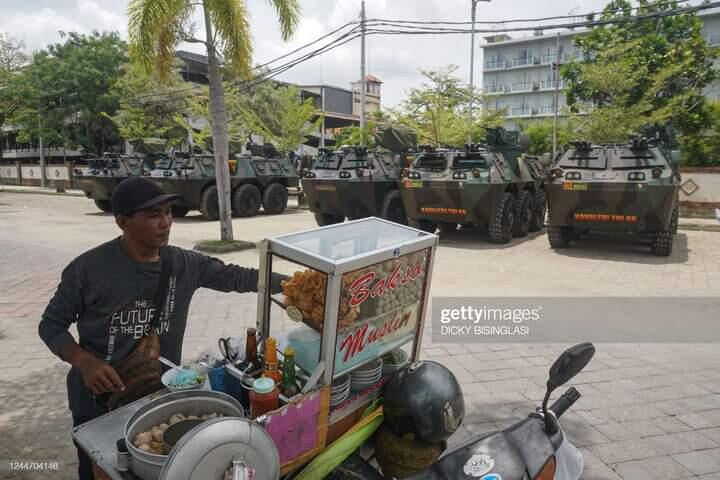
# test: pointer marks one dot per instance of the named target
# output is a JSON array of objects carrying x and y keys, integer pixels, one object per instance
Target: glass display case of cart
[{"x": 358, "y": 293}]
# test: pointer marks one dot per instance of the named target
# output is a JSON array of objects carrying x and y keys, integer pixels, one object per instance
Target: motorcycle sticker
[{"x": 479, "y": 465}]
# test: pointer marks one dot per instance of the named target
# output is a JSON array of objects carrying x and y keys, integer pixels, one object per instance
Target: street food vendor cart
[{"x": 359, "y": 294}]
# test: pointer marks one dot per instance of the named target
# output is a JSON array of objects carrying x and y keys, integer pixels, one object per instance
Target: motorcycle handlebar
[{"x": 565, "y": 401}]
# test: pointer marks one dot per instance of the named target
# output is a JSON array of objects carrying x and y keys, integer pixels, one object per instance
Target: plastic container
[
  {"x": 217, "y": 378},
  {"x": 264, "y": 397}
]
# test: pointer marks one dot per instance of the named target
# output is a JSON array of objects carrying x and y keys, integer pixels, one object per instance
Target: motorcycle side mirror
[{"x": 569, "y": 363}]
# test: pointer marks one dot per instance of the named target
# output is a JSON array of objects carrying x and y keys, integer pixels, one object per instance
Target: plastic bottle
[
  {"x": 271, "y": 361},
  {"x": 264, "y": 397}
]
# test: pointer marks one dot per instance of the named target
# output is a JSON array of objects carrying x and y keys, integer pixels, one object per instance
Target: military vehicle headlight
[
  {"x": 345, "y": 174},
  {"x": 556, "y": 173},
  {"x": 656, "y": 172},
  {"x": 459, "y": 176},
  {"x": 573, "y": 176},
  {"x": 167, "y": 173},
  {"x": 415, "y": 175},
  {"x": 636, "y": 176},
  {"x": 77, "y": 171},
  {"x": 309, "y": 174}
]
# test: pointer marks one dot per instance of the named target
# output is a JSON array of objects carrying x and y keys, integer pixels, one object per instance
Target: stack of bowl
[
  {"x": 366, "y": 376},
  {"x": 340, "y": 390},
  {"x": 394, "y": 361}
]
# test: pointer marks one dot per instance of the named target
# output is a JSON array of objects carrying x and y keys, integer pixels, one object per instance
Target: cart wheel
[
  {"x": 104, "y": 205},
  {"x": 246, "y": 200},
  {"x": 209, "y": 206},
  {"x": 324, "y": 219},
  {"x": 275, "y": 198},
  {"x": 393, "y": 209}
]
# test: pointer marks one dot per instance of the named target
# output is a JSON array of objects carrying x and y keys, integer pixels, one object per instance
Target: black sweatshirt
[{"x": 110, "y": 296}]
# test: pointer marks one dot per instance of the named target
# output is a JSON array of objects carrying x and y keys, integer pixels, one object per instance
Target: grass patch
[{"x": 223, "y": 246}]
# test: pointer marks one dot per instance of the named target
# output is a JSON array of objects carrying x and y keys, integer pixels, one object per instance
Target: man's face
[{"x": 149, "y": 227}]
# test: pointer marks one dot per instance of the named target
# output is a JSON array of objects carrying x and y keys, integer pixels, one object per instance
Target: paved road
[{"x": 649, "y": 411}]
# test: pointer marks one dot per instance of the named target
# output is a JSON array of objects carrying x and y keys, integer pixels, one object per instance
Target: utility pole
[
  {"x": 472, "y": 69},
  {"x": 556, "y": 76},
  {"x": 42, "y": 154},
  {"x": 362, "y": 74}
]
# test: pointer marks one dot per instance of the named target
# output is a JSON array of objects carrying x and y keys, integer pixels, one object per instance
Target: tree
[
  {"x": 12, "y": 60},
  {"x": 66, "y": 92},
  {"x": 541, "y": 135},
  {"x": 352, "y": 135},
  {"x": 437, "y": 110},
  {"x": 149, "y": 108},
  {"x": 703, "y": 149},
  {"x": 641, "y": 72},
  {"x": 157, "y": 26}
]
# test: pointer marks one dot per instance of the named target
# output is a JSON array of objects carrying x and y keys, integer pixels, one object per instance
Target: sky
[{"x": 395, "y": 60}]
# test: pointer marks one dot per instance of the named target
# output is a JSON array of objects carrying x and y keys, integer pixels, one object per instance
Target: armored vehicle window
[
  {"x": 629, "y": 160},
  {"x": 430, "y": 161},
  {"x": 470, "y": 160},
  {"x": 163, "y": 163},
  {"x": 594, "y": 159},
  {"x": 328, "y": 162}
]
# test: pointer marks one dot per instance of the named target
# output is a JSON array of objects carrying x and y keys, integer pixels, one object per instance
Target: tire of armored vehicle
[
  {"x": 354, "y": 183},
  {"x": 255, "y": 182},
  {"x": 625, "y": 189},
  {"x": 493, "y": 187}
]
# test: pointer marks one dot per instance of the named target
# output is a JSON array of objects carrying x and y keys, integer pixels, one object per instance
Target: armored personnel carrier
[
  {"x": 256, "y": 181},
  {"x": 494, "y": 187},
  {"x": 631, "y": 188},
  {"x": 101, "y": 175},
  {"x": 352, "y": 182}
]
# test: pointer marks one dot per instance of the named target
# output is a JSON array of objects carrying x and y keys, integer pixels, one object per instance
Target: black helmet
[{"x": 425, "y": 399}]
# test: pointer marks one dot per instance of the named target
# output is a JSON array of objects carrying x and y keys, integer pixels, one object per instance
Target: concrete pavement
[{"x": 649, "y": 411}]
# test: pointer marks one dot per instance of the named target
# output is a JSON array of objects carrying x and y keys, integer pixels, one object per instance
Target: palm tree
[{"x": 156, "y": 27}]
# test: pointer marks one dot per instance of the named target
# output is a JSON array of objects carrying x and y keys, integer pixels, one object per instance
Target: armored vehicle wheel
[
  {"x": 209, "y": 203},
  {"x": 323, "y": 219},
  {"x": 674, "y": 220},
  {"x": 393, "y": 209},
  {"x": 425, "y": 225},
  {"x": 447, "y": 227},
  {"x": 501, "y": 226},
  {"x": 662, "y": 244},
  {"x": 559, "y": 236},
  {"x": 104, "y": 205},
  {"x": 179, "y": 211},
  {"x": 539, "y": 208},
  {"x": 246, "y": 200},
  {"x": 523, "y": 214},
  {"x": 275, "y": 198}
]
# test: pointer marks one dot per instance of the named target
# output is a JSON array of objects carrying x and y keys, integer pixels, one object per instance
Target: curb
[
  {"x": 41, "y": 192},
  {"x": 699, "y": 227},
  {"x": 217, "y": 247}
]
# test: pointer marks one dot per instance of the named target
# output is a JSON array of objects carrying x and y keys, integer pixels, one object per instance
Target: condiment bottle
[
  {"x": 251, "y": 356},
  {"x": 289, "y": 386},
  {"x": 271, "y": 361},
  {"x": 264, "y": 397}
]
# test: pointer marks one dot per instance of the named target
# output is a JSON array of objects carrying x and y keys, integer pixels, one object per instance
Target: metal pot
[{"x": 147, "y": 465}]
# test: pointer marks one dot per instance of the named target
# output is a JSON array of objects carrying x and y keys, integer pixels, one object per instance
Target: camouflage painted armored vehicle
[
  {"x": 630, "y": 188},
  {"x": 355, "y": 183},
  {"x": 103, "y": 174},
  {"x": 494, "y": 187},
  {"x": 255, "y": 180}
]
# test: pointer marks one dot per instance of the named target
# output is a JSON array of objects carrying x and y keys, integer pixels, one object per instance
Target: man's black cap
[{"x": 138, "y": 193}]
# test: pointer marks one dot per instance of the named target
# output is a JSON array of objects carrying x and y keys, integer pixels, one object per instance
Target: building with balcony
[{"x": 519, "y": 73}]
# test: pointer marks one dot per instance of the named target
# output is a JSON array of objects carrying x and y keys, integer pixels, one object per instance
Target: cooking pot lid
[{"x": 207, "y": 451}]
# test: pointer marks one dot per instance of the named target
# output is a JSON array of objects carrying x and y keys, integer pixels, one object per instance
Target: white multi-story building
[{"x": 518, "y": 73}]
